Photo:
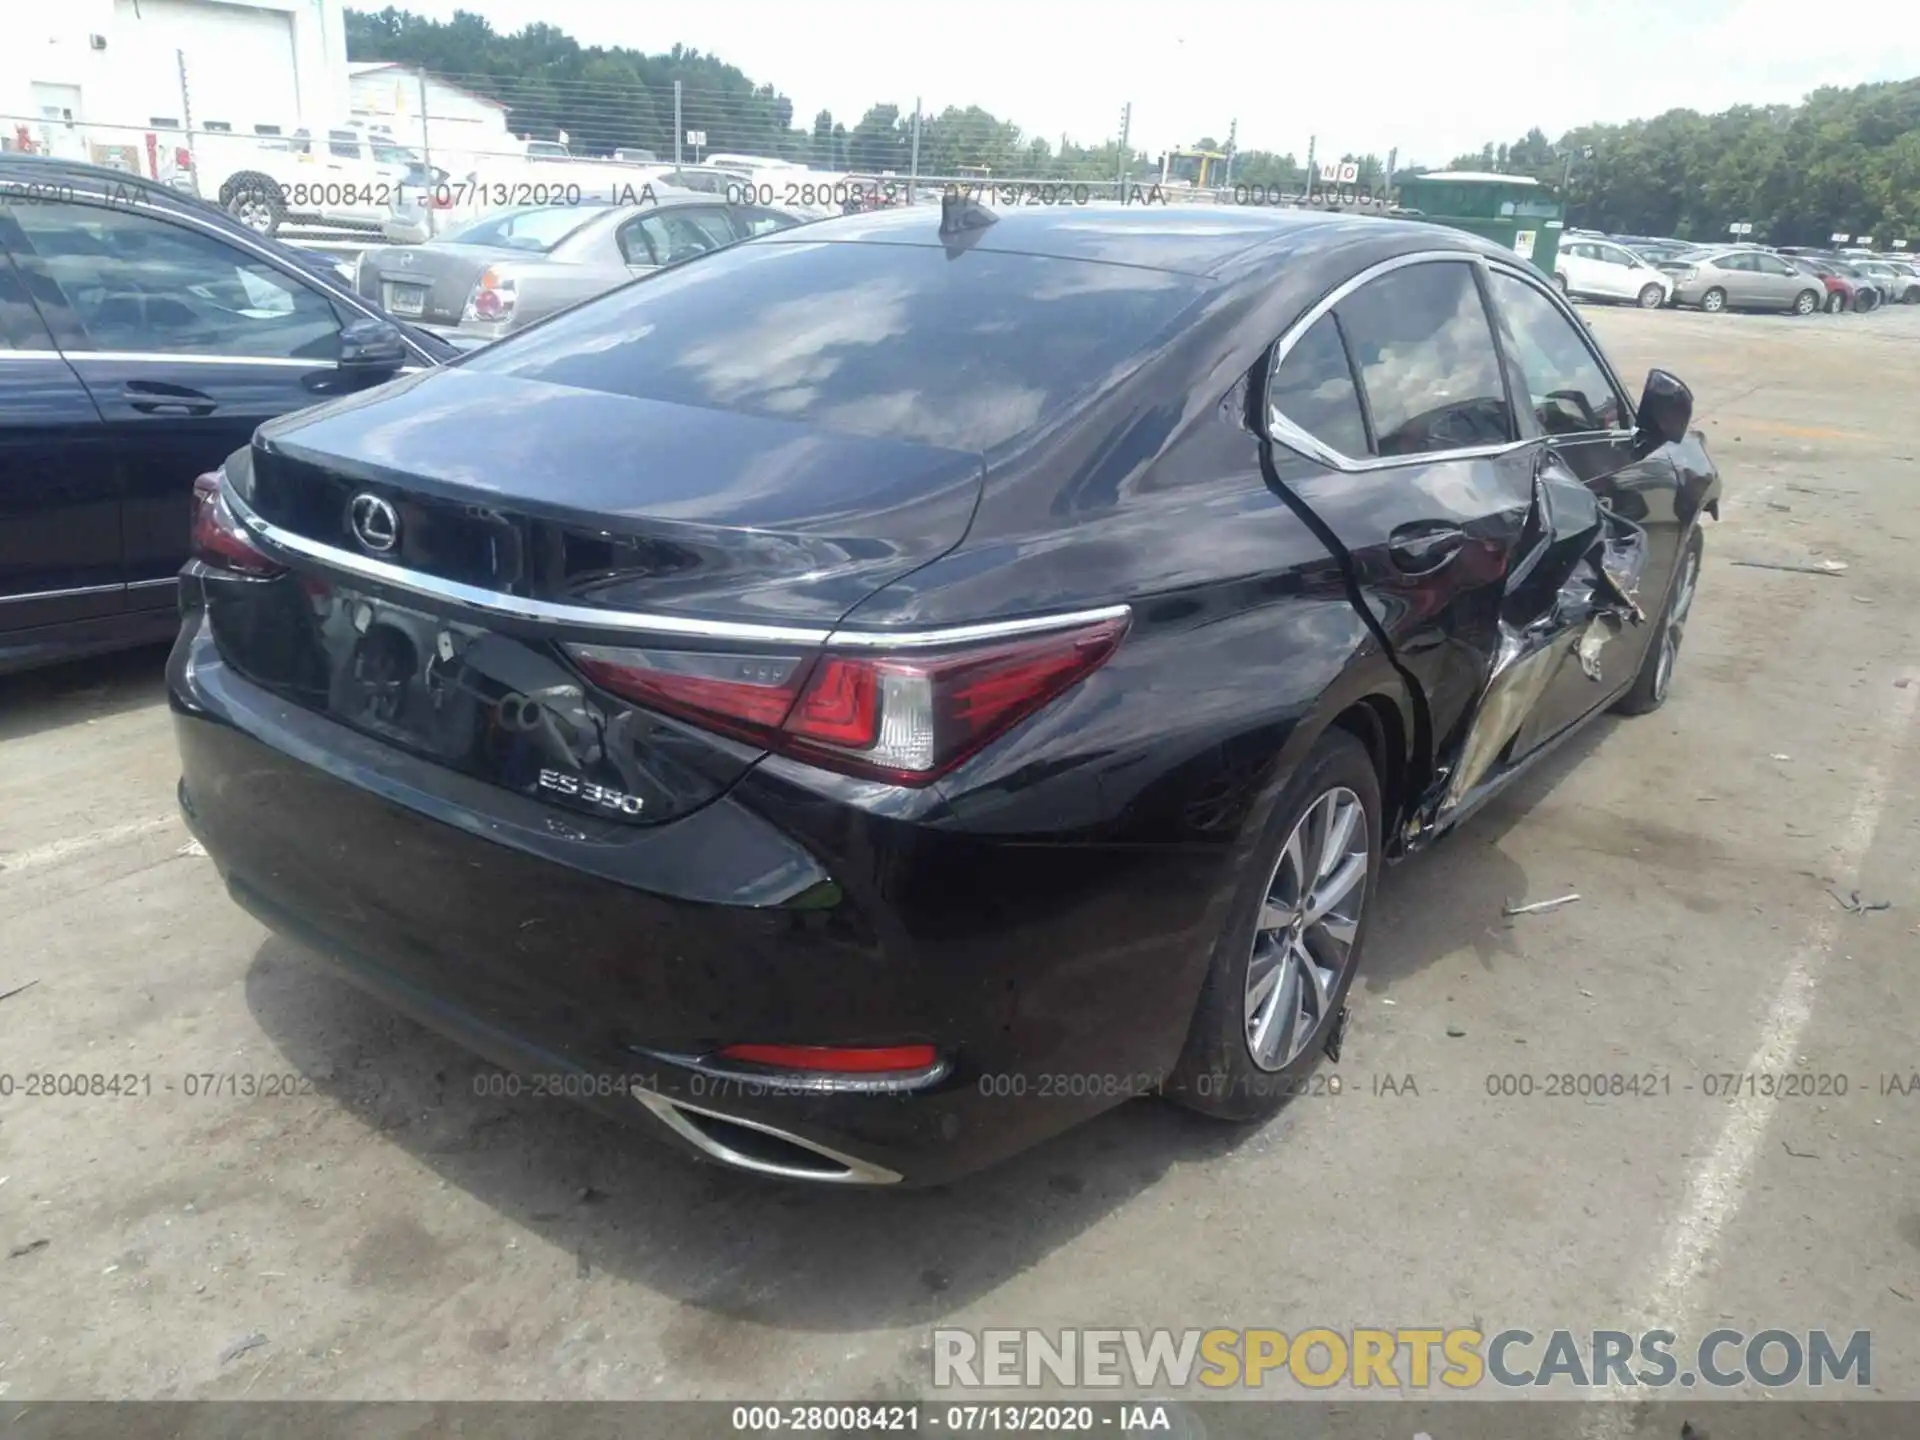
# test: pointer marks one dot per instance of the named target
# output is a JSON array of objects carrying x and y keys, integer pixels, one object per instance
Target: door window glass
[
  {"x": 1424, "y": 351},
  {"x": 1568, "y": 391},
  {"x": 675, "y": 235},
  {"x": 139, "y": 283},
  {"x": 755, "y": 220},
  {"x": 1314, "y": 389}
]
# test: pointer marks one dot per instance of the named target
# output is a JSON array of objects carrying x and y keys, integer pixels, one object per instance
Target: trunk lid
[
  {"x": 591, "y": 501},
  {"x": 428, "y": 282}
]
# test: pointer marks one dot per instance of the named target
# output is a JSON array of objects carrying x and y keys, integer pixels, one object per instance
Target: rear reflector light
[
  {"x": 836, "y": 1059},
  {"x": 217, "y": 538},
  {"x": 906, "y": 718}
]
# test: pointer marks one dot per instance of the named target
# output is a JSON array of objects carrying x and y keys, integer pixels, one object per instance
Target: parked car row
[{"x": 1735, "y": 275}]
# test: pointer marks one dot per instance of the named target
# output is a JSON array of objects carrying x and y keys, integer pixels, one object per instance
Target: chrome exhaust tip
[{"x": 759, "y": 1148}]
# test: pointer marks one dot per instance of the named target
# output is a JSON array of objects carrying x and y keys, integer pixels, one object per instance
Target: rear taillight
[
  {"x": 493, "y": 298},
  {"x": 903, "y": 717},
  {"x": 217, "y": 538}
]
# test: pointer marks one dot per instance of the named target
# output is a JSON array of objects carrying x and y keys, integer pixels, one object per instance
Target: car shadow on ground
[
  {"x": 76, "y": 691},
  {"x": 734, "y": 1248},
  {"x": 1449, "y": 899}
]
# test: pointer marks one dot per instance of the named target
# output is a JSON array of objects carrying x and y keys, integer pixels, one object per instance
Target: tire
[
  {"x": 1217, "y": 1073},
  {"x": 1836, "y": 302},
  {"x": 256, "y": 201},
  {"x": 1651, "y": 297},
  {"x": 1560, "y": 284},
  {"x": 1805, "y": 303},
  {"x": 1912, "y": 297},
  {"x": 1651, "y": 685},
  {"x": 1714, "y": 301}
]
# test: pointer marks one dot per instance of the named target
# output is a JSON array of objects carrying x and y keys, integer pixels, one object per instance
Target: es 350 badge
[{"x": 562, "y": 783}]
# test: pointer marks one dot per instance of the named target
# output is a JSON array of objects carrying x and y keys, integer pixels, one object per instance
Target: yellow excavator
[{"x": 1201, "y": 169}]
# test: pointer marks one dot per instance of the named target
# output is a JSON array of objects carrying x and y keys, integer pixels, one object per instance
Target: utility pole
[
  {"x": 426, "y": 156},
  {"x": 1386, "y": 190},
  {"x": 186, "y": 119},
  {"x": 1233, "y": 132},
  {"x": 678, "y": 132},
  {"x": 1125, "y": 153},
  {"x": 913, "y": 158},
  {"x": 1310, "y": 170}
]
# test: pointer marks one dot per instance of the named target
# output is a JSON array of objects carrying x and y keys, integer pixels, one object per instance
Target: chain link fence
[{"x": 448, "y": 142}]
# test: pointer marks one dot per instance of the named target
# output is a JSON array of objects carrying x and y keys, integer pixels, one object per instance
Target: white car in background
[{"x": 1595, "y": 269}]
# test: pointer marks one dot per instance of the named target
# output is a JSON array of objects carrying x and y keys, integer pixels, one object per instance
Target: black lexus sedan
[
  {"x": 143, "y": 336},
  {"x": 880, "y": 695}
]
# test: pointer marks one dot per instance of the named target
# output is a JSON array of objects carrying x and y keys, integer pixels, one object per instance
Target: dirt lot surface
[{"x": 386, "y": 1232}]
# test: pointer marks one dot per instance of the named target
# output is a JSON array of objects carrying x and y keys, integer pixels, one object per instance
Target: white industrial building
[
  {"x": 394, "y": 97},
  {"x": 78, "y": 75}
]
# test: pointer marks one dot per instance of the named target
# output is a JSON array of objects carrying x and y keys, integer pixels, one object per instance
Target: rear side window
[
  {"x": 1423, "y": 347},
  {"x": 892, "y": 341},
  {"x": 1314, "y": 389}
]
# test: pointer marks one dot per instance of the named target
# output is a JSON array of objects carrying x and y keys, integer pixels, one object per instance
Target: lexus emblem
[
  {"x": 376, "y": 524},
  {"x": 406, "y": 259}
]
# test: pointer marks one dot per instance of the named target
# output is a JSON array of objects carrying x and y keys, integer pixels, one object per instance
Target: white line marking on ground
[
  {"x": 59, "y": 851},
  {"x": 1719, "y": 1183}
]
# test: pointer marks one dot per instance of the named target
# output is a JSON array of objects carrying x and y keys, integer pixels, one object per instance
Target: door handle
[
  {"x": 1424, "y": 546},
  {"x": 151, "y": 399}
]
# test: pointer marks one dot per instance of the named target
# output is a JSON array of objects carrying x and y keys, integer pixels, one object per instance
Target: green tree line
[{"x": 1844, "y": 160}]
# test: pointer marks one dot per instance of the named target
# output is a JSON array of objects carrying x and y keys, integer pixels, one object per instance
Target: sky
[{"x": 1430, "y": 80}]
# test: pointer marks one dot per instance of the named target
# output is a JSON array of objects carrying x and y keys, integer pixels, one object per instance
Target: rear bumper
[{"x": 1055, "y": 985}]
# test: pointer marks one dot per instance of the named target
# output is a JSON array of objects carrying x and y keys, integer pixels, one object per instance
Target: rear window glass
[
  {"x": 891, "y": 341},
  {"x": 537, "y": 230}
]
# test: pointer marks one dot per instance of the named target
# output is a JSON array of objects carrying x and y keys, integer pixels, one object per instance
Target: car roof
[{"x": 1190, "y": 239}]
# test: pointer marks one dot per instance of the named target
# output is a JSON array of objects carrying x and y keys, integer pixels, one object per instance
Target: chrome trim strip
[
  {"x": 59, "y": 594},
  {"x": 513, "y": 606},
  {"x": 153, "y": 584},
  {"x": 278, "y": 362},
  {"x": 969, "y": 634},
  {"x": 800, "y": 1082},
  {"x": 674, "y": 1113},
  {"x": 1295, "y": 438},
  {"x": 551, "y": 612}
]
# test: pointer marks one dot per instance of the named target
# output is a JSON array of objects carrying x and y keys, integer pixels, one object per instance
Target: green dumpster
[{"x": 1516, "y": 210}]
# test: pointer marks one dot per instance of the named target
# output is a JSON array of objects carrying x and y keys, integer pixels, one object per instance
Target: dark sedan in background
[
  {"x": 143, "y": 336},
  {"x": 887, "y": 692}
]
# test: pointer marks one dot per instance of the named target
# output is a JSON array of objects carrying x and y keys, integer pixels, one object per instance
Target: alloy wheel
[
  {"x": 251, "y": 209},
  {"x": 1672, "y": 631},
  {"x": 1804, "y": 303},
  {"x": 1303, "y": 940},
  {"x": 1652, "y": 297},
  {"x": 1712, "y": 301}
]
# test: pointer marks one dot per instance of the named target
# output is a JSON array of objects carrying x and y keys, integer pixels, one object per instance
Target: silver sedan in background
[
  {"x": 1733, "y": 278},
  {"x": 502, "y": 271}
]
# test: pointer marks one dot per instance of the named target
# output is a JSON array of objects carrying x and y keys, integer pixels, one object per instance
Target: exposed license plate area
[
  {"x": 485, "y": 703},
  {"x": 407, "y": 301}
]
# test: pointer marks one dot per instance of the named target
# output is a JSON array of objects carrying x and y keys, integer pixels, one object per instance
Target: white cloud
[{"x": 1430, "y": 80}]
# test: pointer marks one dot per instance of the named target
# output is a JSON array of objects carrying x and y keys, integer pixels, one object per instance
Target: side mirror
[
  {"x": 1666, "y": 408},
  {"x": 370, "y": 344}
]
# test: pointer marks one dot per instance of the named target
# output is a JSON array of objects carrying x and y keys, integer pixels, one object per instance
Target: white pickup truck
[{"x": 345, "y": 177}]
